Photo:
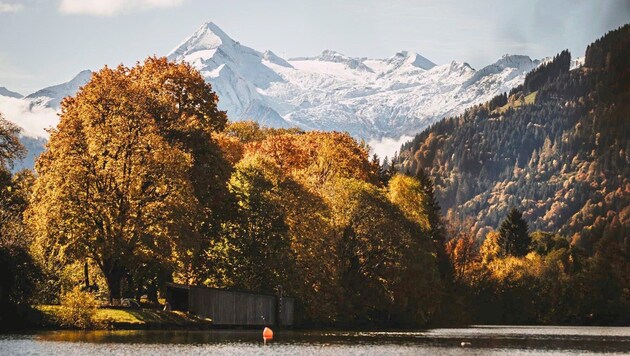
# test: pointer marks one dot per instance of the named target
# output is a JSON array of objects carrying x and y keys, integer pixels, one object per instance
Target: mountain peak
[
  {"x": 329, "y": 55},
  {"x": 84, "y": 76},
  {"x": 514, "y": 61},
  {"x": 208, "y": 37},
  {"x": 52, "y": 96},
  {"x": 275, "y": 59},
  {"x": 411, "y": 58},
  {"x": 460, "y": 67},
  {"x": 212, "y": 28}
]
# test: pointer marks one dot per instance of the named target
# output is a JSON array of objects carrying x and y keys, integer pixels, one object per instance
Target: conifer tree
[
  {"x": 432, "y": 207},
  {"x": 514, "y": 239}
]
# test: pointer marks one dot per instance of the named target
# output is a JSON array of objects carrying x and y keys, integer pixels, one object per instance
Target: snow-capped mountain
[
  {"x": 51, "y": 96},
  {"x": 37, "y": 112},
  {"x": 380, "y": 100},
  {"x": 370, "y": 98}
]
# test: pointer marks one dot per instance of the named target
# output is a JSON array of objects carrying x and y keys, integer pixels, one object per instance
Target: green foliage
[
  {"x": 261, "y": 255},
  {"x": 514, "y": 239},
  {"x": 544, "y": 243},
  {"x": 547, "y": 72},
  {"x": 20, "y": 273},
  {"x": 10, "y": 146},
  {"x": 380, "y": 253}
]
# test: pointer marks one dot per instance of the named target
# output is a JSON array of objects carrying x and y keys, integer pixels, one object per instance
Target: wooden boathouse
[{"x": 232, "y": 308}]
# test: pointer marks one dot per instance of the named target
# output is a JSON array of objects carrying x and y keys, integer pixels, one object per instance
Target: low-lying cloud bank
[
  {"x": 33, "y": 121},
  {"x": 387, "y": 146}
]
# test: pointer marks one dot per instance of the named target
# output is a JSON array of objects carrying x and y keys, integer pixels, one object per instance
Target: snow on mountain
[
  {"x": 380, "y": 100},
  {"x": 51, "y": 96},
  {"x": 369, "y": 98},
  {"x": 36, "y": 113},
  {"x": 39, "y": 111},
  {"x": 236, "y": 72},
  {"x": 33, "y": 122},
  {"x": 11, "y": 94},
  {"x": 577, "y": 62}
]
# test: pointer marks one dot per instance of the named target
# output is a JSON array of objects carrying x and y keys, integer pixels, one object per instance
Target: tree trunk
[
  {"x": 113, "y": 275},
  {"x": 113, "y": 285},
  {"x": 87, "y": 276},
  {"x": 152, "y": 290}
]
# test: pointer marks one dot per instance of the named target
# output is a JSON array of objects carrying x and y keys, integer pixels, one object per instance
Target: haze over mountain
[
  {"x": 382, "y": 101},
  {"x": 8, "y": 93}
]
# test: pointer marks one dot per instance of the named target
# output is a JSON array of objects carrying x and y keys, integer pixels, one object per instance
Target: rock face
[{"x": 372, "y": 99}]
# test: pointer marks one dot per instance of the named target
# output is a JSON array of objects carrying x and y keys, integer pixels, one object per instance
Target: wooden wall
[{"x": 226, "y": 307}]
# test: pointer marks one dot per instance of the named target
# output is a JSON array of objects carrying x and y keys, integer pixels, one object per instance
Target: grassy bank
[{"x": 49, "y": 316}]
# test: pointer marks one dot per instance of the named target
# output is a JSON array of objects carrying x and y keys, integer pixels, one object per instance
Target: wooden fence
[{"x": 226, "y": 307}]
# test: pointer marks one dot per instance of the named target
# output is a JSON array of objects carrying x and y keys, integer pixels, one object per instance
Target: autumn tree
[
  {"x": 20, "y": 273},
  {"x": 514, "y": 239},
  {"x": 120, "y": 182},
  {"x": 386, "y": 264},
  {"x": 184, "y": 108},
  {"x": 260, "y": 256},
  {"x": 12, "y": 203}
]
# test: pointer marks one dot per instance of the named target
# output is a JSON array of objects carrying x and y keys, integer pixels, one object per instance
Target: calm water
[{"x": 484, "y": 340}]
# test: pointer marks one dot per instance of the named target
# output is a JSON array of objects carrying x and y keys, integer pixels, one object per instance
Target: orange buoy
[{"x": 267, "y": 334}]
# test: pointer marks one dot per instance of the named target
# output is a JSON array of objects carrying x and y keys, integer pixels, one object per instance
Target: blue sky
[{"x": 45, "y": 42}]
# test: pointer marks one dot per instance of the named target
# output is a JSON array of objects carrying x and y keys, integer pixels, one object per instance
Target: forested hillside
[{"x": 556, "y": 147}]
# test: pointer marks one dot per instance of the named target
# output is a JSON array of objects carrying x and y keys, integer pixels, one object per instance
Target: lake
[{"x": 484, "y": 340}]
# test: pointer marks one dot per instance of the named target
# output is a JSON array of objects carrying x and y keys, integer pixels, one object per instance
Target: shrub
[{"x": 79, "y": 309}]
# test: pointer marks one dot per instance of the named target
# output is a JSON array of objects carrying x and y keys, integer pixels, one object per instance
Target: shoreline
[{"x": 46, "y": 318}]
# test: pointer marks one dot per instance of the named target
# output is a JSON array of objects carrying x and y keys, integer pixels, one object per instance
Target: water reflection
[{"x": 481, "y": 339}]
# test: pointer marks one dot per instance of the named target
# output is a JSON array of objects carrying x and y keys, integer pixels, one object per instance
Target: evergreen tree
[
  {"x": 437, "y": 231},
  {"x": 391, "y": 170},
  {"x": 432, "y": 207},
  {"x": 514, "y": 239}
]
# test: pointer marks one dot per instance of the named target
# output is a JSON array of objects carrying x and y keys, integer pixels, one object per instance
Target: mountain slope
[
  {"x": 370, "y": 98},
  {"x": 51, "y": 96},
  {"x": 36, "y": 113},
  {"x": 558, "y": 148},
  {"x": 8, "y": 93}
]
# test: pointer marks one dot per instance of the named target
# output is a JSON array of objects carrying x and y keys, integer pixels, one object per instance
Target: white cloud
[
  {"x": 8, "y": 7},
  {"x": 33, "y": 121},
  {"x": 112, "y": 7},
  {"x": 386, "y": 146}
]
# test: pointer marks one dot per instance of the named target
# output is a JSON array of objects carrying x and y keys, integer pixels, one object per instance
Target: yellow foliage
[
  {"x": 407, "y": 193},
  {"x": 517, "y": 268},
  {"x": 115, "y": 183},
  {"x": 490, "y": 249},
  {"x": 316, "y": 157},
  {"x": 79, "y": 309}
]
